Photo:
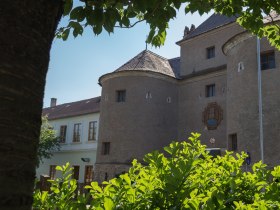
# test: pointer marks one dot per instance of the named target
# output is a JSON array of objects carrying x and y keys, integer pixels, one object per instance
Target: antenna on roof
[{"x": 146, "y": 43}]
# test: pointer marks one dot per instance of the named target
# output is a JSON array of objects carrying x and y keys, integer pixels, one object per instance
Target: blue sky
[{"x": 76, "y": 64}]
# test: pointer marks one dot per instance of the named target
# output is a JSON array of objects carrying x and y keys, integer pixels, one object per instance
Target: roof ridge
[
  {"x": 155, "y": 54},
  {"x": 69, "y": 103},
  {"x": 213, "y": 22}
]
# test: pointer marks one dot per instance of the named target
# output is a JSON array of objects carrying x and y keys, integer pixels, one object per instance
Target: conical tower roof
[{"x": 148, "y": 61}]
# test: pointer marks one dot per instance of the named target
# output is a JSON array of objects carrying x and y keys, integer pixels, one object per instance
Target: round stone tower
[
  {"x": 243, "y": 125},
  {"x": 138, "y": 113}
]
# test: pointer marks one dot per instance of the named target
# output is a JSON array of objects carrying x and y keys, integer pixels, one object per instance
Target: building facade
[
  {"x": 76, "y": 125},
  {"x": 212, "y": 88}
]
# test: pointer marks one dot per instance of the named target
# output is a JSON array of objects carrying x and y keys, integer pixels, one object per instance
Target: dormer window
[{"x": 210, "y": 52}]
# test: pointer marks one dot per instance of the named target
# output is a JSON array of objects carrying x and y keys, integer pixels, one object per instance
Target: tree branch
[{"x": 130, "y": 25}]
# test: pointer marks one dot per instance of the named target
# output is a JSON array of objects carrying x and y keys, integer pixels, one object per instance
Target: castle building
[{"x": 212, "y": 88}]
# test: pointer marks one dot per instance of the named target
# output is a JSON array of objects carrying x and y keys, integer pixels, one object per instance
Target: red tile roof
[{"x": 76, "y": 108}]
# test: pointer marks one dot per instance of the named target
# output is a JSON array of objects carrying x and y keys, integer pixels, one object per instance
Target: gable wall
[{"x": 193, "y": 51}]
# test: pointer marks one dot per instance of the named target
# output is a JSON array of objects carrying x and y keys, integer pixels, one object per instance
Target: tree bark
[{"x": 27, "y": 29}]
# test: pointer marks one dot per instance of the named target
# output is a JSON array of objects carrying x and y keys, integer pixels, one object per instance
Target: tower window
[
  {"x": 267, "y": 60},
  {"x": 120, "y": 95},
  {"x": 210, "y": 90},
  {"x": 210, "y": 52},
  {"x": 105, "y": 148},
  {"x": 233, "y": 142}
]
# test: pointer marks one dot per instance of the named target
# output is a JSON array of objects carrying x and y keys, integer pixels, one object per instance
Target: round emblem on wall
[{"x": 212, "y": 116}]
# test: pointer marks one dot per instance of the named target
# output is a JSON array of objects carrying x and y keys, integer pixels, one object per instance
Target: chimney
[{"x": 53, "y": 102}]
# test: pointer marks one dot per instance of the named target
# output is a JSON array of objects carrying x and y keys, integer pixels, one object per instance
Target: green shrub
[
  {"x": 62, "y": 195},
  {"x": 185, "y": 177}
]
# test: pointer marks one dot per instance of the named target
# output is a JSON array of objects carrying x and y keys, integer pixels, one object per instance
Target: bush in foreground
[{"x": 186, "y": 177}]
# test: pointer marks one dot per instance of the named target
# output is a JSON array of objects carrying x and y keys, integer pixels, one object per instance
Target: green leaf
[
  {"x": 78, "y": 14},
  {"x": 65, "y": 34},
  {"x": 126, "y": 178},
  {"x": 97, "y": 29},
  {"x": 44, "y": 196},
  {"x": 108, "y": 203},
  {"x": 58, "y": 168},
  {"x": 68, "y": 4}
]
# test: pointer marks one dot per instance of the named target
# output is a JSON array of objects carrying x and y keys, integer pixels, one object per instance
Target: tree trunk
[{"x": 27, "y": 30}]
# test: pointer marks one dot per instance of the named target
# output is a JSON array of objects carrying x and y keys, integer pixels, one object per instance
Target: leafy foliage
[
  {"x": 108, "y": 14},
  {"x": 189, "y": 178},
  {"x": 62, "y": 193},
  {"x": 184, "y": 177},
  {"x": 48, "y": 142}
]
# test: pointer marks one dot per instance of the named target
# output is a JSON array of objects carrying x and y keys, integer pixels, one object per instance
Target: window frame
[
  {"x": 210, "y": 90},
  {"x": 210, "y": 52},
  {"x": 62, "y": 134},
  {"x": 77, "y": 132},
  {"x": 120, "y": 96},
  {"x": 105, "y": 148},
  {"x": 92, "y": 131},
  {"x": 88, "y": 174},
  {"x": 266, "y": 65},
  {"x": 76, "y": 173},
  {"x": 233, "y": 143}
]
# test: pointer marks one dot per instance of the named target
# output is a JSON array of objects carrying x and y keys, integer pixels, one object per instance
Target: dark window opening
[
  {"x": 76, "y": 171},
  {"x": 62, "y": 134},
  {"x": 121, "y": 95},
  {"x": 210, "y": 90},
  {"x": 105, "y": 148},
  {"x": 77, "y": 132},
  {"x": 267, "y": 60},
  {"x": 233, "y": 142},
  {"x": 210, "y": 52},
  {"x": 88, "y": 174},
  {"x": 92, "y": 128}
]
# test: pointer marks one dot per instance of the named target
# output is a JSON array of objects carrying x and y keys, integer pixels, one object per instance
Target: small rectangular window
[
  {"x": 233, "y": 142},
  {"x": 76, "y": 171},
  {"x": 210, "y": 90},
  {"x": 92, "y": 128},
  {"x": 210, "y": 52},
  {"x": 267, "y": 60},
  {"x": 62, "y": 133},
  {"x": 88, "y": 174},
  {"x": 77, "y": 132},
  {"x": 120, "y": 94},
  {"x": 105, "y": 148},
  {"x": 52, "y": 171}
]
